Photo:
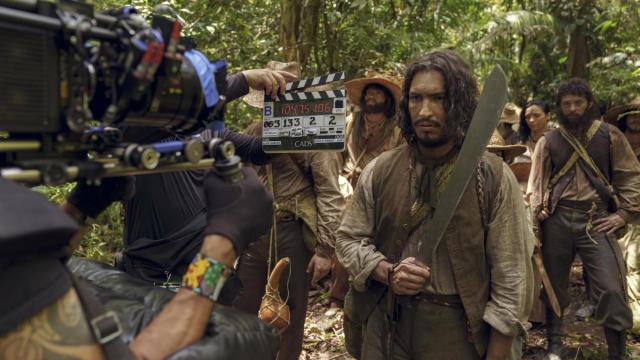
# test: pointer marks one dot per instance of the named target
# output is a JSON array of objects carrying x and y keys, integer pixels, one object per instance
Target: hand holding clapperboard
[{"x": 305, "y": 121}]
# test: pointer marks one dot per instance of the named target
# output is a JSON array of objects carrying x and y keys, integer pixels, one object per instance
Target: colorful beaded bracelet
[{"x": 206, "y": 276}]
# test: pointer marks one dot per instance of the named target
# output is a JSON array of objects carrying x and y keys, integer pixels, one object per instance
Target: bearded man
[
  {"x": 585, "y": 185},
  {"x": 470, "y": 302}
]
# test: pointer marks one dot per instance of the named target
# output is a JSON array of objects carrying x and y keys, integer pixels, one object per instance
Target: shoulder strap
[
  {"x": 575, "y": 145},
  {"x": 581, "y": 151},
  {"x": 104, "y": 325}
]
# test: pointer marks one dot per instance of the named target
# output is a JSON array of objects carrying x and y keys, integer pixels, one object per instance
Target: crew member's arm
[
  {"x": 273, "y": 82},
  {"x": 509, "y": 258},
  {"x": 539, "y": 180},
  {"x": 625, "y": 179},
  {"x": 184, "y": 319},
  {"x": 236, "y": 215},
  {"x": 325, "y": 168},
  {"x": 354, "y": 240}
]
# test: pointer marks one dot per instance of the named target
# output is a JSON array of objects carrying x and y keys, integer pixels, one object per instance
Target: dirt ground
[{"x": 324, "y": 338}]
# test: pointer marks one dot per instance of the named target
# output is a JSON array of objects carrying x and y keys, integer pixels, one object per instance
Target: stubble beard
[{"x": 442, "y": 139}]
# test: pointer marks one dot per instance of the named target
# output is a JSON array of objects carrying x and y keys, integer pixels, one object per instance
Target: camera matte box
[{"x": 29, "y": 79}]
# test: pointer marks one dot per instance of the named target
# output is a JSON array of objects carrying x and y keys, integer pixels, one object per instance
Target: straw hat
[
  {"x": 510, "y": 114},
  {"x": 255, "y": 98},
  {"x": 498, "y": 146},
  {"x": 521, "y": 170},
  {"x": 613, "y": 115},
  {"x": 355, "y": 87}
]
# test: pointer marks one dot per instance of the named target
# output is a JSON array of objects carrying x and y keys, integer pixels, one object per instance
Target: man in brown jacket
[
  {"x": 471, "y": 301},
  {"x": 308, "y": 206},
  {"x": 585, "y": 185}
]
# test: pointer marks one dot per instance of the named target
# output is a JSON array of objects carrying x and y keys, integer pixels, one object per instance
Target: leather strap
[{"x": 105, "y": 325}]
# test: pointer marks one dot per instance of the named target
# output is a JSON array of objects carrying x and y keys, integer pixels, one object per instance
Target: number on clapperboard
[
  {"x": 289, "y": 122},
  {"x": 276, "y": 123},
  {"x": 312, "y": 120},
  {"x": 332, "y": 120}
]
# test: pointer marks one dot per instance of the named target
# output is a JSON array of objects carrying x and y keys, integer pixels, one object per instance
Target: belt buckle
[{"x": 102, "y": 323}]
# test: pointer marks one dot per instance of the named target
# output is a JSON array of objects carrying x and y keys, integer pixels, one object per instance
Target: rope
[
  {"x": 273, "y": 250},
  {"x": 589, "y": 227}
]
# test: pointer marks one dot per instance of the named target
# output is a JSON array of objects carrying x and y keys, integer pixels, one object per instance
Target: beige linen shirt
[
  {"x": 306, "y": 184},
  {"x": 625, "y": 178},
  {"x": 510, "y": 295},
  {"x": 374, "y": 144}
]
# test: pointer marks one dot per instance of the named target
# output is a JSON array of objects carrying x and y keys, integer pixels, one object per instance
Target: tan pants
[{"x": 630, "y": 246}]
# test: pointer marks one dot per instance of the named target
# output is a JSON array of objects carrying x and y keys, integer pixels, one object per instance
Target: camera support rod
[{"x": 36, "y": 176}]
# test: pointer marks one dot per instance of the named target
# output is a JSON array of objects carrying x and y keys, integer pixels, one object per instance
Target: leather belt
[
  {"x": 453, "y": 301},
  {"x": 443, "y": 300},
  {"x": 583, "y": 206}
]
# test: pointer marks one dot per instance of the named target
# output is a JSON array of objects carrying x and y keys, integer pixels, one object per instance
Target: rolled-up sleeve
[
  {"x": 509, "y": 251},
  {"x": 325, "y": 168},
  {"x": 354, "y": 241}
]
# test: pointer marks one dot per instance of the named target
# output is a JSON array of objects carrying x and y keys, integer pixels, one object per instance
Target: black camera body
[{"x": 83, "y": 92}]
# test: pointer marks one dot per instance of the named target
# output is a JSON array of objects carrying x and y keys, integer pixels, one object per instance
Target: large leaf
[{"x": 521, "y": 22}]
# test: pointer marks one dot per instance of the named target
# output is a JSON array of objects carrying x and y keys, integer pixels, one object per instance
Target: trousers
[
  {"x": 294, "y": 284},
  {"x": 423, "y": 331},
  {"x": 564, "y": 234}
]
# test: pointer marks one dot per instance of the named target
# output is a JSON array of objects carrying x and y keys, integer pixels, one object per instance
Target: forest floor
[{"x": 324, "y": 338}]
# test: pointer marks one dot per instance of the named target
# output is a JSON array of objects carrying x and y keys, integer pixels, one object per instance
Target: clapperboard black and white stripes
[
  {"x": 316, "y": 81},
  {"x": 307, "y": 121},
  {"x": 314, "y": 95}
]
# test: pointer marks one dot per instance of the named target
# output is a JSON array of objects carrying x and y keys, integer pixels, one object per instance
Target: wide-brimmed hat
[
  {"x": 614, "y": 114},
  {"x": 510, "y": 114},
  {"x": 355, "y": 87},
  {"x": 255, "y": 98},
  {"x": 497, "y": 145},
  {"x": 521, "y": 170}
]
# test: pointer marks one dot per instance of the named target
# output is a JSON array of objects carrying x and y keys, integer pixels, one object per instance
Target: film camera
[{"x": 87, "y": 95}]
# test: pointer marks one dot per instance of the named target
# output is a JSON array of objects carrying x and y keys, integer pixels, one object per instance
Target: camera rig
[{"x": 88, "y": 95}]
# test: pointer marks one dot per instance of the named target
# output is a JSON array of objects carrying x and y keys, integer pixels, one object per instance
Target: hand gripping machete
[{"x": 484, "y": 121}]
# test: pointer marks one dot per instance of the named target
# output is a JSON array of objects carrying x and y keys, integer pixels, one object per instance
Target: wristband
[{"x": 206, "y": 276}]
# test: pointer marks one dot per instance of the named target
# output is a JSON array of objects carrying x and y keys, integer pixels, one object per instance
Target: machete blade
[{"x": 484, "y": 121}]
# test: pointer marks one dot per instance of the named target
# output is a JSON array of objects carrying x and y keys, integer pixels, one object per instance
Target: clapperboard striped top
[
  {"x": 313, "y": 95},
  {"x": 318, "y": 80}
]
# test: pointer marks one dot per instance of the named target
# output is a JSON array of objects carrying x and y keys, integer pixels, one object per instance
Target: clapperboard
[{"x": 305, "y": 121}]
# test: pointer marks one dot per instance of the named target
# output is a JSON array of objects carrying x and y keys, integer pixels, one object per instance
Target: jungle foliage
[{"x": 539, "y": 43}]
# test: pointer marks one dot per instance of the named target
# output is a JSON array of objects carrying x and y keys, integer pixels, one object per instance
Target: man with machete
[
  {"x": 472, "y": 298},
  {"x": 585, "y": 183}
]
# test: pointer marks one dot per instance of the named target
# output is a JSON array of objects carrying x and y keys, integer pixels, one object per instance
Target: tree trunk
[
  {"x": 578, "y": 54},
  {"x": 290, "y": 28},
  {"x": 307, "y": 37}
]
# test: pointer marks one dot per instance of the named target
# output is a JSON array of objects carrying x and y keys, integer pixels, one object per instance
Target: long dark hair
[
  {"x": 461, "y": 91},
  {"x": 524, "y": 130}
]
